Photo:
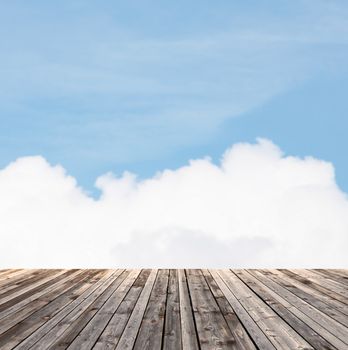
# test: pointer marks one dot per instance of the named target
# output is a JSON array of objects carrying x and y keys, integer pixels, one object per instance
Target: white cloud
[{"x": 256, "y": 208}]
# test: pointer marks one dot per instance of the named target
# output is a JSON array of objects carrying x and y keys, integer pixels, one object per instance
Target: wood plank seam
[
  {"x": 165, "y": 313},
  {"x": 190, "y": 299}
]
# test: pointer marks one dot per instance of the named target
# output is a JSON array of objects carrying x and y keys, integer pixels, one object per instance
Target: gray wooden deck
[{"x": 173, "y": 309}]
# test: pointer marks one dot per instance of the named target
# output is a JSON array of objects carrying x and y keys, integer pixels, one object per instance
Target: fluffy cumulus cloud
[{"x": 256, "y": 208}]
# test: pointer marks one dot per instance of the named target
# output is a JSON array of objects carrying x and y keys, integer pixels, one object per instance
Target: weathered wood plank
[
  {"x": 327, "y": 322},
  {"x": 188, "y": 328},
  {"x": 9, "y": 273},
  {"x": 22, "y": 281},
  {"x": 86, "y": 338},
  {"x": 341, "y": 272},
  {"x": 14, "y": 305},
  {"x": 302, "y": 310},
  {"x": 10, "y": 320},
  {"x": 317, "y": 286},
  {"x": 248, "y": 322},
  {"x": 337, "y": 277},
  {"x": 241, "y": 336},
  {"x": 325, "y": 282},
  {"x": 56, "y": 300},
  {"x": 173, "y": 309},
  {"x": 2, "y": 271},
  {"x": 278, "y": 332},
  {"x": 15, "y": 276},
  {"x": 84, "y": 295},
  {"x": 30, "y": 285},
  {"x": 129, "y": 335},
  {"x": 172, "y": 331},
  {"x": 308, "y": 288},
  {"x": 213, "y": 331},
  {"x": 65, "y": 331},
  {"x": 284, "y": 309},
  {"x": 310, "y": 298},
  {"x": 151, "y": 329},
  {"x": 113, "y": 331}
]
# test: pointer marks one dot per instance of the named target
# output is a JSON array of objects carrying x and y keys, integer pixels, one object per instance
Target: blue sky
[{"x": 147, "y": 85}]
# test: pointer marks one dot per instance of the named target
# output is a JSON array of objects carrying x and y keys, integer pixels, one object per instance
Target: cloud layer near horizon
[{"x": 257, "y": 208}]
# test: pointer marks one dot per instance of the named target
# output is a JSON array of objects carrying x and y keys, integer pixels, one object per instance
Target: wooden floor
[{"x": 173, "y": 309}]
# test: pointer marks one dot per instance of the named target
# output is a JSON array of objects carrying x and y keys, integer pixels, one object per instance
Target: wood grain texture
[
  {"x": 172, "y": 309},
  {"x": 172, "y": 326}
]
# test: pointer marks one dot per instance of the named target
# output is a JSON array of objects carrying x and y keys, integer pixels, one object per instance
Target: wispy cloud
[{"x": 103, "y": 75}]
